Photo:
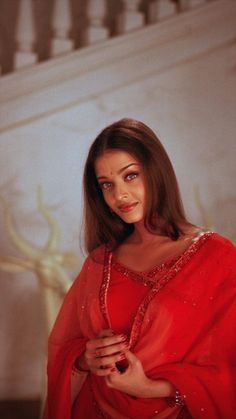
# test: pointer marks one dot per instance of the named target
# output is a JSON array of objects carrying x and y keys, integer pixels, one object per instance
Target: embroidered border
[
  {"x": 134, "y": 275},
  {"x": 139, "y": 276},
  {"x": 145, "y": 276},
  {"x": 156, "y": 286},
  {"x": 176, "y": 268},
  {"x": 105, "y": 284}
]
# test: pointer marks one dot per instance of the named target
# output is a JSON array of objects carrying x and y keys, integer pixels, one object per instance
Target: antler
[
  {"x": 48, "y": 264},
  {"x": 27, "y": 248},
  {"x": 15, "y": 265},
  {"x": 54, "y": 234}
]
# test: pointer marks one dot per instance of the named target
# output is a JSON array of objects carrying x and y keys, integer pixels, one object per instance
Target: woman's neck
[{"x": 142, "y": 236}]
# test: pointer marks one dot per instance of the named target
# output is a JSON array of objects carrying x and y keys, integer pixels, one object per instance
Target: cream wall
[{"x": 190, "y": 103}]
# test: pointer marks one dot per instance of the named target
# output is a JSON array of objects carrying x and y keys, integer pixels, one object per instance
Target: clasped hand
[{"x": 102, "y": 356}]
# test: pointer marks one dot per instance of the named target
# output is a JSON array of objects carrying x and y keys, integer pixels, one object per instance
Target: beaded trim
[
  {"x": 156, "y": 284},
  {"x": 177, "y": 400},
  {"x": 146, "y": 278},
  {"x": 180, "y": 263},
  {"x": 151, "y": 273},
  {"x": 105, "y": 285}
]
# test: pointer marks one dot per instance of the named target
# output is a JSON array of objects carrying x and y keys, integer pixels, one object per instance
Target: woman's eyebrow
[
  {"x": 126, "y": 167},
  {"x": 120, "y": 171}
]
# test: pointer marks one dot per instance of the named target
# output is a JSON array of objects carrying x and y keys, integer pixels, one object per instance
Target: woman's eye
[
  {"x": 105, "y": 185},
  {"x": 131, "y": 176}
]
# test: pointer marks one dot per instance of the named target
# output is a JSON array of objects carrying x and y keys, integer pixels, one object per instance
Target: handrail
[{"x": 38, "y": 30}]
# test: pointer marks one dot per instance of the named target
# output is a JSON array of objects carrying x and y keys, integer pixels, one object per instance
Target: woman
[{"x": 147, "y": 329}]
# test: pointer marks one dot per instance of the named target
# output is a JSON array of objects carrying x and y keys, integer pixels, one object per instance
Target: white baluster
[
  {"x": 96, "y": 30},
  {"x": 62, "y": 22},
  {"x": 25, "y": 36},
  {"x": 152, "y": 12},
  {"x": 130, "y": 18},
  {"x": 160, "y": 9},
  {"x": 190, "y": 4},
  {"x": 183, "y": 5},
  {"x": 196, "y": 3}
]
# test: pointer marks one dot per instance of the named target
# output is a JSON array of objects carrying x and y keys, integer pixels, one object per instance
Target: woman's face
[{"x": 121, "y": 179}]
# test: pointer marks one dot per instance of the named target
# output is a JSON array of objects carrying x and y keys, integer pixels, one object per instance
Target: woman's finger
[
  {"x": 106, "y": 332},
  {"x": 102, "y": 372},
  {"x": 98, "y": 343},
  {"x": 105, "y": 351},
  {"x": 107, "y": 361},
  {"x": 112, "y": 349}
]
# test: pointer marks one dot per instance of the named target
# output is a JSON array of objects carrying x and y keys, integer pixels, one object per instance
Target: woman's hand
[
  {"x": 105, "y": 355},
  {"x": 133, "y": 381},
  {"x": 102, "y": 353}
]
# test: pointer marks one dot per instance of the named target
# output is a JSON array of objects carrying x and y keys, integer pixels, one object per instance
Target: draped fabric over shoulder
[{"x": 184, "y": 332}]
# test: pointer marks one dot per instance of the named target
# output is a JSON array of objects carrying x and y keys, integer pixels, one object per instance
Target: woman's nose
[{"x": 120, "y": 193}]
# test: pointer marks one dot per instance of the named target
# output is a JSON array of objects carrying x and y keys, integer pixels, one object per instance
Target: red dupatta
[{"x": 184, "y": 332}]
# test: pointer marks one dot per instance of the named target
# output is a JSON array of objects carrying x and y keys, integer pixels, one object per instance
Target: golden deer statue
[{"x": 48, "y": 263}]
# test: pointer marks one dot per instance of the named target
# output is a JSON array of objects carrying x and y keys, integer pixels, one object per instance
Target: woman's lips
[{"x": 127, "y": 207}]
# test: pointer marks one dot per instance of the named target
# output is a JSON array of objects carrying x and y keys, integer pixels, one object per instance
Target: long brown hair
[{"x": 164, "y": 201}]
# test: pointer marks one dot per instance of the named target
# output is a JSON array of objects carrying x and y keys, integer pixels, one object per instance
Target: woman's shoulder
[
  {"x": 220, "y": 247},
  {"x": 97, "y": 254},
  {"x": 222, "y": 242},
  {"x": 91, "y": 262}
]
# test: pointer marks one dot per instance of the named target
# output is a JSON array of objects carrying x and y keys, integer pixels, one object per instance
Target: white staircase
[{"x": 74, "y": 77}]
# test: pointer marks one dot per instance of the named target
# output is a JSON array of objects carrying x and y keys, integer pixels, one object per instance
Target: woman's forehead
[{"x": 113, "y": 161}]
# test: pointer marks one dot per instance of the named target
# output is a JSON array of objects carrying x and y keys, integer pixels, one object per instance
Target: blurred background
[{"x": 69, "y": 68}]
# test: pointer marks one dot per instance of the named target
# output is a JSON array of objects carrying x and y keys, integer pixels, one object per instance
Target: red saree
[{"x": 184, "y": 332}]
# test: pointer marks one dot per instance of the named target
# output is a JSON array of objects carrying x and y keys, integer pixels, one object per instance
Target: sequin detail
[
  {"x": 105, "y": 285},
  {"x": 149, "y": 277},
  {"x": 156, "y": 282},
  {"x": 173, "y": 271},
  {"x": 146, "y": 278}
]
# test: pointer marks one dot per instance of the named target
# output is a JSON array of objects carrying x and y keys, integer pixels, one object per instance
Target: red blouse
[
  {"x": 126, "y": 291},
  {"x": 123, "y": 299}
]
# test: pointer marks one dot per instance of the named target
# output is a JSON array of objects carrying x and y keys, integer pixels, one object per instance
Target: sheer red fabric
[
  {"x": 124, "y": 296},
  {"x": 183, "y": 331}
]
